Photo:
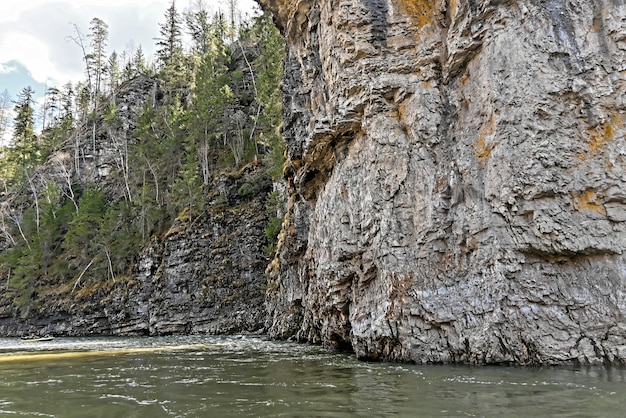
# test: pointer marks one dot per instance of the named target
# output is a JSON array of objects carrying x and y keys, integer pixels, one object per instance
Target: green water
[{"x": 235, "y": 377}]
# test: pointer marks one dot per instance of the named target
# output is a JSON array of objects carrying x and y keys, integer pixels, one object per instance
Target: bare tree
[
  {"x": 33, "y": 190},
  {"x": 79, "y": 39},
  {"x": 5, "y": 112},
  {"x": 65, "y": 172},
  {"x": 121, "y": 159},
  {"x": 3, "y": 224}
]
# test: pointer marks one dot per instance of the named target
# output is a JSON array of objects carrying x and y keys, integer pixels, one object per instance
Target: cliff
[{"x": 458, "y": 180}]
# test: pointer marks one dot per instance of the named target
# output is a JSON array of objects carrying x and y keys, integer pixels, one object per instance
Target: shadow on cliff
[{"x": 379, "y": 11}]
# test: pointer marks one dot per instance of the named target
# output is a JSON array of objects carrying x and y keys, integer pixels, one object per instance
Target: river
[{"x": 201, "y": 376}]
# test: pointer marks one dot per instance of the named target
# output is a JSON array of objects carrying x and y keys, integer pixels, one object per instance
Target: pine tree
[
  {"x": 99, "y": 37},
  {"x": 169, "y": 44},
  {"x": 186, "y": 189},
  {"x": 73, "y": 229},
  {"x": 113, "y": 70},
  {"x": 139, "y": 62},
  {"x": 51, "y": 106},
  {"x": 25, "y": 144},
  {"x": 233, "y": 11},
  {"x": 270, "y": 70},
  {"x": 173, "y": 69},
  {"x": 212, "y": 96},
  {"x": 79, "y": 39},
  {"x": 199, "y": 27},
  {"x": 67, "y": 102},
  {"x": 82, "y": 238}
]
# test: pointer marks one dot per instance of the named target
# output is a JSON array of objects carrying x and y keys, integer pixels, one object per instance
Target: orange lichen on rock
[
  {"x": 482, "y": 149},
  {"x": 403, "y": 111},
  {"x": 452, "y": 5},
  {"x": 464, "y": 79},
  {"x": 422, "y": 12},
  {"x": 581, "y": 156},
  {"x": 604, "y": 133},
  {"x": 588, "y": 200}
]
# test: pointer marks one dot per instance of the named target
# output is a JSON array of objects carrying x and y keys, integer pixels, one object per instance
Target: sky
[{"x": 34, "y": 46}]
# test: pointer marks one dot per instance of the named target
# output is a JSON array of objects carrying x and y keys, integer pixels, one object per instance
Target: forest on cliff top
[{"x": 134, "y": 147}]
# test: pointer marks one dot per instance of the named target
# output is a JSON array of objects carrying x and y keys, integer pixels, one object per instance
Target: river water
[{"x": 242, "y": 376}]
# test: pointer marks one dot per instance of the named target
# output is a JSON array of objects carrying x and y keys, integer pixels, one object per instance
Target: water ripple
[{"x": 247, "y": 376}]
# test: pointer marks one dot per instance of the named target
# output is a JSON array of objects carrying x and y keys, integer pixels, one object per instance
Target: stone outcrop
[
  {"x": 208, "y": 275},
  {"x": 205, "y": 275},
  {"x": 459, "y": 183}
]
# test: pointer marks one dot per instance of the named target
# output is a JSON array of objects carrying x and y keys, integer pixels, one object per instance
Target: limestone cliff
[{"x": 459, "y": 183}]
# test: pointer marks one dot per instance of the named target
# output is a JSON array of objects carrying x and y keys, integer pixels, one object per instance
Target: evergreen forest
[{"x": 135, "y": 147}]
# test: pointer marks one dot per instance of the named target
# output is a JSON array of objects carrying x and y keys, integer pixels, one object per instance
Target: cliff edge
[{"x": 458, "y": 180}]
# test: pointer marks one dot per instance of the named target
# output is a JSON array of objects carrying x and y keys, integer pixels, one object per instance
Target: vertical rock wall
[{"x": 459, "y": 183}]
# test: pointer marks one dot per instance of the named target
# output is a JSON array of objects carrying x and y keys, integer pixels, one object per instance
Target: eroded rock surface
[
  {"x": 207, "y": 274},
  {"x": 459, "y": 183}
]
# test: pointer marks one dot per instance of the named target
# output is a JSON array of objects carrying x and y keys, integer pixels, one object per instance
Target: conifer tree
[
  {"x": 79, "y": 39},
  {"x": 139, "y": 62},
  {"x": 25, "y": 144},
  {"x": 173, "y": 70},
  {"x": 67, "y": 102},
  {"x": 99, "y": 37},
  {"x": 50, "y": 109},
  {"x": 169, "y": 44},
  {"x": 82, "y": 238},
  {"x": 212, "y": 96},
  {"x": 199, "y": 27},
  {"x": 233, "y": 11},
  {"x": 270, "y": 70},
  {"x": 76, "y": 230},
  {"x": 113, "y": 70}
]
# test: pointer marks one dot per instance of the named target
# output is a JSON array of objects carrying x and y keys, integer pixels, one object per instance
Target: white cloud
[
  {"x": 7, "y": 68},
  {"x": 33, "y": 53},
  {"x": 35, "y": 32}
]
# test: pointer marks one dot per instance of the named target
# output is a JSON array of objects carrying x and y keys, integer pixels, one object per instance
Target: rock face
[
  {"x": 207, "y": 276},
  {"x": 459, "y": 183}
]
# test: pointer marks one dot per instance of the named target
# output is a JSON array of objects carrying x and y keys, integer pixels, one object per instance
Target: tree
[
  {"x": 169, "y": 44},
  {"x": 233, "y": 10},
  {"x": 212, "y": 96},
  {"x": 269, "y": 67},
  {"x": 95, "y": 66},
  {"x": 139, "y": 62},
  {"x": 199, "y": 27},
  {"x": 25, "y": 144},
  {"x": 99, "y": 33},
  {"x": 79, "y": 39},
  {"x": 82, "y": 238},
  {"x": 220, "y": 26},
  {"x": 186, "y": 189},
  {"x": 99, "y": 36},
  {"x": 113, "y": 70},
  {"x": 173, "y": 69},
  {"x": 61, "y": 221},
  {"x": 51, "y": 106},
  {"x": 67, "y": 102},
  {"x": 120, "y": 145}
]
